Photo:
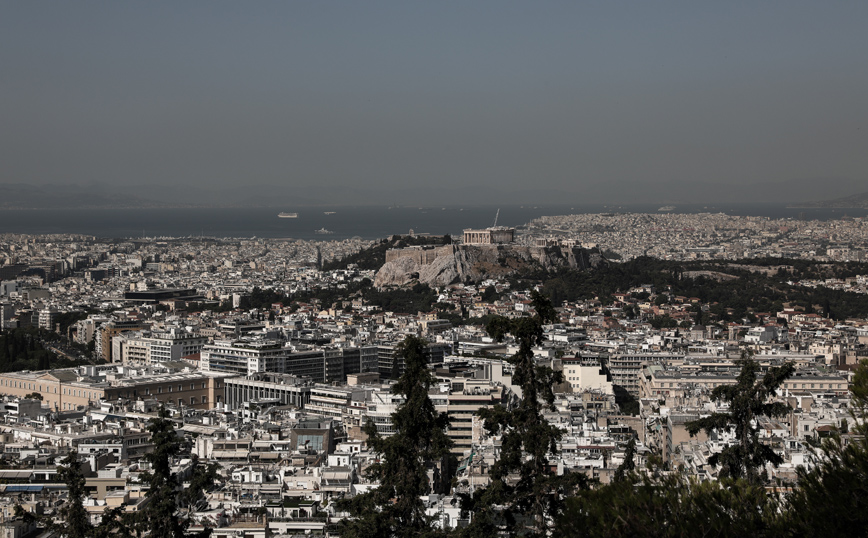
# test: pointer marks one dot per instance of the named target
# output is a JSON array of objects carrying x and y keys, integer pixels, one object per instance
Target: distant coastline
[
  {"x": 366, "y": 222},
  {"x": 856, "y": 201}
]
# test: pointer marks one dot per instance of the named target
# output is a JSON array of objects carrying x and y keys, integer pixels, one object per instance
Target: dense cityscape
[{"x": 282, "y": 368}]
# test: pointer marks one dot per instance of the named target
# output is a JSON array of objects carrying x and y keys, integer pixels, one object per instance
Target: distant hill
[{"x": 856, "y": 200}]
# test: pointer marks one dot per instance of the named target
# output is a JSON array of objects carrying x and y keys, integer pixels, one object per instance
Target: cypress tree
[
  {"x": 160, "y": 517},
  {"x": 395, "y": 508},
  {"x": 529, "y": 503},
  {"x": 76, "y": 521}
]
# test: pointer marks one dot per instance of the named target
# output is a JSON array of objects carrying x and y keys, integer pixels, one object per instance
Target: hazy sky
[{"x": 545, "y": 94}]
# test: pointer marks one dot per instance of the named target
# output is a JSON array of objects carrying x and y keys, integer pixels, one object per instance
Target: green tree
[
  {"x": 160, "y": 516},
  {"x": 395, "y": 508},
  {"x": 671, "y": 506},
  {"x": 201, "y": 481},
  {"x": 527, "y": 505},
  {"x": 112, "y": 525},
  {"x": 747, "y": 400},
  {"x": 832, "y": 497},
  {"x": 629, "y": 464},
  {"x": 76, "y": 523}
]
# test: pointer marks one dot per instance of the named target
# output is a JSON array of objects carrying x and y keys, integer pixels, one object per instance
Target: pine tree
[
  {"x": 395, "y": 508},
  {"x": 670, "y": 506},
  {"x": 528, "y": 504},
  {"x": 747, "y": 400},
  {"x": 832, "y": 497}
]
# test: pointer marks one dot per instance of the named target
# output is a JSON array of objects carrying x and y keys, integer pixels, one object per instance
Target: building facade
[{"x": 496, "y": 235}]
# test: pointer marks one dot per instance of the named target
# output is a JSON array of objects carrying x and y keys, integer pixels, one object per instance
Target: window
[
  {"x": 204, "y": 385},
  {"x": 192, "y": 386},
  {"x": 192, "y": 401},
  {"x": 180, "y": 387},
  {"x": 204, "y": 399},
  {"x": 159, "y": 390}
]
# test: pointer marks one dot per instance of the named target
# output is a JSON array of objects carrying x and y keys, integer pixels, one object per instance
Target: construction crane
[{"x": 495, "y": 218}]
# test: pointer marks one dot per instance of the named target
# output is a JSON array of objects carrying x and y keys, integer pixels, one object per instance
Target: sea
[{"x": 365, "y": 222}]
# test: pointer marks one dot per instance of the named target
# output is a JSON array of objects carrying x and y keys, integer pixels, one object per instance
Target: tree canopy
[{"x": 747, "y": 399}]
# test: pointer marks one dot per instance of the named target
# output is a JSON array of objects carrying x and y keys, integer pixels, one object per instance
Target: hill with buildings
[{"x": 449, "y": 264}]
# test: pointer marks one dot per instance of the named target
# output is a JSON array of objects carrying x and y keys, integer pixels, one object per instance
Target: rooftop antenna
[{"x": 495, "y": 218}]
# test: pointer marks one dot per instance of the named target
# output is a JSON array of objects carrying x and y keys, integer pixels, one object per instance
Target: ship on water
[
  {"x": 666, "y": 208},
  {"x": 329, "y": 212},
  {"x": 323, "y": 231},
  {"x": 288, "y": 215}
]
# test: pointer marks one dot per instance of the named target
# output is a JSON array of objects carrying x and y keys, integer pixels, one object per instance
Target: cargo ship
[
  {"x": 288, "y": 215},
  {"x": 323, "y": 231}
]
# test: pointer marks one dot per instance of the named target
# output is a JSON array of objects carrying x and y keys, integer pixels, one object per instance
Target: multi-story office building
[
  {"x": 109, "y": 330},
  {"x": 624, "y": 367},
  {"x": 335, "y": 402},
  {"x": 247, "y": 357},
  {"x": 170, "y": 345},
  {"x": 391, "y": 366}
]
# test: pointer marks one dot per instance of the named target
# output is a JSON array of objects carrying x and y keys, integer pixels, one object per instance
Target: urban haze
[{"x": 452, "y": 269}]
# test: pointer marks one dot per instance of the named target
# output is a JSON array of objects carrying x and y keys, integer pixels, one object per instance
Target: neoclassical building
[{"x": 496, "y": 235}]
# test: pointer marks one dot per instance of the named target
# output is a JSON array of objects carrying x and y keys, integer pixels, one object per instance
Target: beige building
[
  {"x": 65, "y": 390},
  {"x": 495, "y": 235},
  {"x": 186, "y": 389},
  {"x": 676, "y": 386},
  {"x": 108, "y": 331},
  {"x": 581, "y": 376},
  {"x": 461, "y": 403},
  {"x": 61, "y": 390}
]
